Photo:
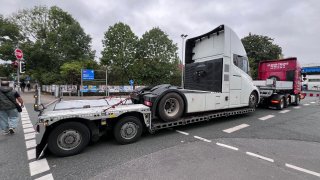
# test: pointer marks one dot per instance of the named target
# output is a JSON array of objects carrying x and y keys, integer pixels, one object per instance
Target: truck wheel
[
  {"x": 281, "y": 103},
  {"x": 286, "y": 101},
  {"x": 68, "y": 139},
  {"x": 253, "y": 100},
  {"x": 171, "y": 107},
  {"x": 297, "y": 100},
  {"x": 128, "y": 130}
]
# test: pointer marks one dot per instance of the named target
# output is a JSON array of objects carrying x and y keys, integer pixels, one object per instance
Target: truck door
[{"x": 236, "y": 80}]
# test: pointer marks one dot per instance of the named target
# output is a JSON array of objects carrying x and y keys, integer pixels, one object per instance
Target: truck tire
[
  {"x": 297, "y": 100},
  {"x": 171, "y": 107},
  {"x": 253, "y": 100},
  {"x": 280, "y": 105},
  {"x": 128, "y": 130},
  {"x": 68, "y": 139}
]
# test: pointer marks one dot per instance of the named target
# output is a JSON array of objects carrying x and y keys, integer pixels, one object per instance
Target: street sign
[
  {"x": 131, "y": 82},
  {"x": 87, "y": 74},
  {"x": 18, "y": 53}
]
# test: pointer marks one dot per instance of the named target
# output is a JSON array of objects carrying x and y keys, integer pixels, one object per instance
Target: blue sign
[
  {"x": 87, "y": 74},
  {"x": 131, "y": 82}
]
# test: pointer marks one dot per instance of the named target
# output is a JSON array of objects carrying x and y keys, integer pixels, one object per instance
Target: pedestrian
[
  {"x": 28, "y": 86},
  {"x": 9, "y": 114},
  {"x": 23, "y": 86}
]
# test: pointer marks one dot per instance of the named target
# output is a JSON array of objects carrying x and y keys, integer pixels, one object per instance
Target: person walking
[
  {"x": 9, "y": 114},
  {"x": 23, "y": 86},
  {"x": 28, "y": 86}
]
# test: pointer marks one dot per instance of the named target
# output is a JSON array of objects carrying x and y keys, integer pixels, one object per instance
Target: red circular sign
[{"x": 18, "y": 53}]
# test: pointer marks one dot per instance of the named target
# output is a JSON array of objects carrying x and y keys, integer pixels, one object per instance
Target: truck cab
[{"x": 216, "y": 77}]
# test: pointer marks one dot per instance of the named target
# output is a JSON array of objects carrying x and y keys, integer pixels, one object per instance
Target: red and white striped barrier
[{"x": 310, "y": 94}]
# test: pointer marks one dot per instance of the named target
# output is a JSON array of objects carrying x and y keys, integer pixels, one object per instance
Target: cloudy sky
[{"x": 294, "y": 24}]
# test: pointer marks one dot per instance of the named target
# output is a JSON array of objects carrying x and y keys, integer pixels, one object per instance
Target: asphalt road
[{"x": 283, "y": 145}]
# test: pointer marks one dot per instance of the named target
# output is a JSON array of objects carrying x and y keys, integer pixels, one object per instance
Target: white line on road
[
  {"x": 236, "y": 128},
  {"x": 227, "y": 146},
  {"x": 25, "y": 122},
  {"x": 261, "y": 157},
  {"x": 31, "y": 143},
  {"x": 27, "y": 126},
  {"x": 46, "y": 177},
  {"x": 181, "y": 132},
  {"x": 31, "y": 154},
  {"x": 37, "y": 167},
  {"x": 266, "y": 117},
  {"x": 202, "y": 139},
  {"x": 312, "y": 102},
  {"x": 303, "y": 170},
  {"x": 28, "y": 130},
  {"x": 284, "y": 111},
  {"x": 297, "y": 107},
  {"x": 29, "y": 136},
  {"x": 306, "y": 104}
]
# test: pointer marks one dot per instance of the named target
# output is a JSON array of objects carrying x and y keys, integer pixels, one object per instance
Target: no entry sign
[{"x": 18, "y": 53}]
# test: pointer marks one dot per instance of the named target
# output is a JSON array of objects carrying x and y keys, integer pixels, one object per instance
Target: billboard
[{"x": 87, "y": 74}]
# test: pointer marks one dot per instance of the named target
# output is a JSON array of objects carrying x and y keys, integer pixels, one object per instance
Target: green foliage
[
  {"x": 71, "y": 71},
  {"x": 55, "y": 38},
  {"x": 260, "y": 48},
  {"x": 119, "y": 52},
  {"x": 157, "y": 61}
]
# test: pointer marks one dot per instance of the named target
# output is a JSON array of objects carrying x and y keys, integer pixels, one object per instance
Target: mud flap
[{"x": 40, "y": 150}]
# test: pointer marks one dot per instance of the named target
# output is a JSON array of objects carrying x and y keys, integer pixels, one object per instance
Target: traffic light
[{"x": 22, "y": 66}]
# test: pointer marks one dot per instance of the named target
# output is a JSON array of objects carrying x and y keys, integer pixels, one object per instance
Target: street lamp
[{"x": 183, "y": 37}]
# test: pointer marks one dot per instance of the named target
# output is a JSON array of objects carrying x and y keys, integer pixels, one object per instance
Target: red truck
[{"x": 279, "y": 82}]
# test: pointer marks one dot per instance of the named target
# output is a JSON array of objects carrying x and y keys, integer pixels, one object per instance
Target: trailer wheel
[
  {"x": 297, "y": 100},
  {"x": 128, "y": 130},
  {"x": 171, "y": 107},
  {"x": 280, "y": 105},
  {"x": 253, "y": 100},
  {"x": 68, "y": 139}
]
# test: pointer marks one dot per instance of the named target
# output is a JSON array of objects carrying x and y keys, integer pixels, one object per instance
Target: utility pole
[{"x": 183, "y": 37}]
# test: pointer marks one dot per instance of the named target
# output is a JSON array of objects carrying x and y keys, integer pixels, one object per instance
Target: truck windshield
[{"x": 242, "y": 63}]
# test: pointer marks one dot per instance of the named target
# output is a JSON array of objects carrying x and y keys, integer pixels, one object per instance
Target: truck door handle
[{"x": 236, "y": 75}]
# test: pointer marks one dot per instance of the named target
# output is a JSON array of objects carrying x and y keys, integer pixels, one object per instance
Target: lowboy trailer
[{"x": 217, "y": 84}]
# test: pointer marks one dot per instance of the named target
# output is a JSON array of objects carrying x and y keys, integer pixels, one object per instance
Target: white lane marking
[
  {"x": 227, "y": 146},
  {"x": 181, "y": 132},
  {"x": 303, "y": 170},
  {"x": 297, "y": 107},
  {"x": 27, "y": 126},
  {"x": 26, "y": 122},
  {"x": 46, "y": 177},
  {"x": 31, "y": 154},
  {"x": 306, "y": 104},
  {"x": 28, "y": 130},
  {"x": 202, "y": 139},
  {"x": 312, "y": 102},
  {"x": 29, "y": 136},
  {"x": 31, "y": 143},
  {"x": 37, "y": 167},
  {"x": 261, "y": 157},
  {"x": 266, "y": 117},
  {"x": 236, "y": 128},
  {"x": 284, "y": 111}
]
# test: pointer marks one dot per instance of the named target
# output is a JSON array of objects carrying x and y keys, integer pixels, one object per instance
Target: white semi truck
[{"x": 217, "y": 83}]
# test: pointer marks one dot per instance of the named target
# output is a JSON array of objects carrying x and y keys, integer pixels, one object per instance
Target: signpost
[
  {"x": 19, "y": 55},
  {"x": 87, "y": 74},
  {"x": 131, "y": 82}
]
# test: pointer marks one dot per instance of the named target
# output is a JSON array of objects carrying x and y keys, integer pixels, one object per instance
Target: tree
[
  {"x": 71, "y": 71},
  {"x": 260, "y": 48},
  {"x": 55, "y": 38},
  {"x": 119, "y": 51},
  {"x": 157, "y": 58}
]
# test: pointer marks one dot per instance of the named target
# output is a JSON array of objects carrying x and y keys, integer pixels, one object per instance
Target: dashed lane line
[
  {"x": 35, "y": 166},
  {"x": 227, "y": 146},
  {"x": 303, "y": 170},
  {"x": 236, "y": 128},
  {"x": 266, "y": 117},
  {"x": 259, "y": 156},
  {"x": 297, "y": 107},
  {"x": 306, "y": 104},
  {"x": 312, "y": 102},
  {"x": 181, "y": 132},
  {"x": 284, "y": 111},
  {"x": 202, "y": 139}
]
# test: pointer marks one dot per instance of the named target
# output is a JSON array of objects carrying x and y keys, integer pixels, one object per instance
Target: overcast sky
[{"x": 294, "y": 24}]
